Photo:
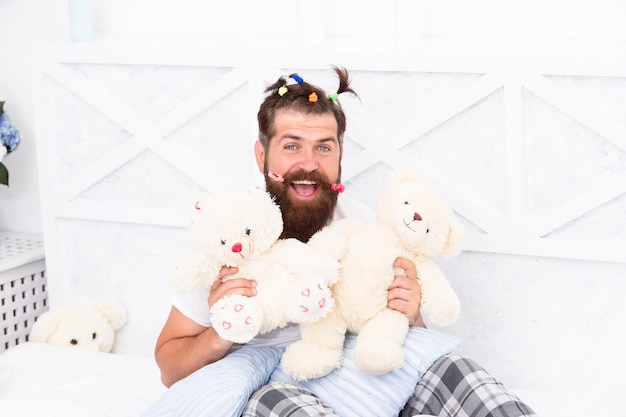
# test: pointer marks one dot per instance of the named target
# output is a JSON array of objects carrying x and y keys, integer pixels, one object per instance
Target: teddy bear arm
[
  {"x": 440, "y": 302},
  {"x": 331, "y": 240},
  {"x": 195, "y": 270}
]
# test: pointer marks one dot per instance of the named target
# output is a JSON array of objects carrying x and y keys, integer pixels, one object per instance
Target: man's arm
[{"x": 184, "y": 346}]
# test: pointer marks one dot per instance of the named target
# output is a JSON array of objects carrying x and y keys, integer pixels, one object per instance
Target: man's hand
[
  {"x": 220, "y": 288},
  {"x": 405, "y": 293}
]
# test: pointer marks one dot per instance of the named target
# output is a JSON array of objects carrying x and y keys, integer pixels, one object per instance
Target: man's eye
[
  {"x": 290, "y": 147},
  {"x": 324, "y": 148}
]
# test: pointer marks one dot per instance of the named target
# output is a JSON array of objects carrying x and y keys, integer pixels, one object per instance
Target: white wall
[{"x": 25, "y": 24}]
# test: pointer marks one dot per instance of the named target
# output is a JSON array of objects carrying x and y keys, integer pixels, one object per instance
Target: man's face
[{"x": 305, "y": 151}]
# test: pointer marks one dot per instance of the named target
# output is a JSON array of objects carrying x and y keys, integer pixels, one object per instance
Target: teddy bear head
[
  {"x": 235, "y": 224},
  {"x": 418, "y": 216},
  {"x": 87, "y": 323}
]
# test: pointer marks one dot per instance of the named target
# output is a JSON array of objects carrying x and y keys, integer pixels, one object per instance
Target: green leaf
[{"x": 4, "y": 175}]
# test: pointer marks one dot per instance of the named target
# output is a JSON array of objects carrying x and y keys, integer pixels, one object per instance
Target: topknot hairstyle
[{"x": 297, "y": 97}]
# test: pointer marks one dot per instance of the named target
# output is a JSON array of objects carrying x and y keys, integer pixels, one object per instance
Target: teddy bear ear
[
  {"x": 455, "y": 238},
  {"x": 402, "y": 175},
  {"x": 44, "y": 326},
  {"x": 199, "y": 203},
  {"x": 112, "y": 310}
]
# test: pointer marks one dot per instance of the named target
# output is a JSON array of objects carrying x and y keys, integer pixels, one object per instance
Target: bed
[{"x": 127, "y": 133}]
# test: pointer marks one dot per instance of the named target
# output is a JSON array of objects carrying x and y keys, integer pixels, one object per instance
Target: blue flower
[
  {"x": 9, "y": 135},
  {"x": 9, "y": 141}
]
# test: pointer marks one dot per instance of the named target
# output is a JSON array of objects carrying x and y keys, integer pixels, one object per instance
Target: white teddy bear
[
  {"x": 82, "y": 322},
  {"x": 413, "y": 223},
  {"x": 240, "y": 227}
]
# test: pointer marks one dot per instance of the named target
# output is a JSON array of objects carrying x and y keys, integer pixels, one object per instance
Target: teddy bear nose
[
  {"x": 417, "y": 217},
  {"x": 236, "y": 247}
]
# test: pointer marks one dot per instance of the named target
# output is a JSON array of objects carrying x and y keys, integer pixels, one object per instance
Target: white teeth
[{"x": 305, "y": 182}]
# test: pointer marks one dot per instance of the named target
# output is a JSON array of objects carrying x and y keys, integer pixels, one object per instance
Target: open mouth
[{"x": 304, "y": 188}]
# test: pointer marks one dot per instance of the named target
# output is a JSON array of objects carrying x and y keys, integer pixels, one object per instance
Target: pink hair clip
[
  {"x": 338, "y": 187},
  {"x": 276, "y": 177}
]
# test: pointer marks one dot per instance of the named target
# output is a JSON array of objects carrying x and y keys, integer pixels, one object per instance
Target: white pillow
[
  {"x": 352, "y": 393},
  {"x": 220, "y": 389},
  {"x": 37, "y": 379}
]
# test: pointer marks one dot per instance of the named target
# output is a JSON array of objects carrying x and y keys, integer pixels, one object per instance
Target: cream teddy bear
[
  {"x": 414, "y": 223},
  {"x": 240, "y": 227},
  {"x": 82, "y": 322}
]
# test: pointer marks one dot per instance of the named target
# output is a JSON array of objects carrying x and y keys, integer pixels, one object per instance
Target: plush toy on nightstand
[
  {"x": 415, "y": 223},
  {"x": 240, "y": 227},
  {"x": 82, "y": 322}
]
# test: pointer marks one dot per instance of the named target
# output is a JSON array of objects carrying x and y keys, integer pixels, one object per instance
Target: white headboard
[{"x": 529, "y": 148}]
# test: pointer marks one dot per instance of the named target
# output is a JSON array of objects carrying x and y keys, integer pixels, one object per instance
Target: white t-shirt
[{"x": 195, "y": 305}]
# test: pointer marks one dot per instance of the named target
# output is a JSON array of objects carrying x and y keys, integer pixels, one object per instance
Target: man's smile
[{"x": 304, "y": 188}]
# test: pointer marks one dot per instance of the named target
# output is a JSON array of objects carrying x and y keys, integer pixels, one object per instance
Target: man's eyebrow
[{"x": 290, "y": 136}]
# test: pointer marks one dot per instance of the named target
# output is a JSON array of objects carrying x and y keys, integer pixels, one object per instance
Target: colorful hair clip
[
  {"x": 282, "y": 91},
  {"x": 313, "y": 97},
  {"x": 338, "y": 187},
  {"x": 296, "y": 78},
  {"x": 276, "y": 177},
  {"x": 333, "y": 97}
]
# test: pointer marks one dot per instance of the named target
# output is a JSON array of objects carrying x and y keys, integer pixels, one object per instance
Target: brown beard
[{"x": 302, "y": 219}]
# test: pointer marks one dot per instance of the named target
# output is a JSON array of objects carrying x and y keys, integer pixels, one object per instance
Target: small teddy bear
[
  {"x": 414, "y": 223},
  {"x": 82, "y": 322},
  {"x": 240, "y": 227}
]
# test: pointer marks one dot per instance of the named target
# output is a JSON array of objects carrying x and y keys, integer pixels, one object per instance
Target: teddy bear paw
[
  {"x": 312, "y": 301},
  {"x": 237, "y": 319},
  {"x": 378, "y": 357},
  {"x": 446, "y": 312},
  {"x": 303, "y": 361}
]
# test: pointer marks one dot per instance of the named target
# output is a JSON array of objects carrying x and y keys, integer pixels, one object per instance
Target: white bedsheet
[{"x": 41, "y": 380}]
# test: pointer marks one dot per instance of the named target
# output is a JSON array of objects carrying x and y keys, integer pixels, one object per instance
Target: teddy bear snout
[
  {"x": 238, "y": 252},
  {"x": 417, "y": 217}
]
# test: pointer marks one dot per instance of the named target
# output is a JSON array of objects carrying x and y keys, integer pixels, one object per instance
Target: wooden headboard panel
[{"x": 529, "y": 150}]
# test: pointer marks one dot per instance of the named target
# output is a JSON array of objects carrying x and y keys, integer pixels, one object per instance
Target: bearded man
[{"x": 299, "y": 152}]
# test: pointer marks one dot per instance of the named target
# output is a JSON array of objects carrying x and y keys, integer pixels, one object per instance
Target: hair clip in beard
[
  {"x": 338, "y": 187},
  {"x": 276, "y": 177}
]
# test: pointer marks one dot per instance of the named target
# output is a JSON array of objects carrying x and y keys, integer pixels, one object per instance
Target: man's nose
[{"x": 308, "y": 161}]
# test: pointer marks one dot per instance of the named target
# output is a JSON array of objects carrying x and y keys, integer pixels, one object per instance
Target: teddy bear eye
[
  {"x": 74, "y": 342},
  {"x": 406, "y": 203},
  {"x": 93, "y": 336},
  {"x": 222, "y": 241},
  {"x": 248, "y": 231}
]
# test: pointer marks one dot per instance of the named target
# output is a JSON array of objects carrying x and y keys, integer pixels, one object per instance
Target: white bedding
[{"x": 41, "y": 380}]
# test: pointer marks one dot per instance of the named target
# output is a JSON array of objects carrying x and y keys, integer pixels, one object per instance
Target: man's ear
[{"x": 259, "y": 154}]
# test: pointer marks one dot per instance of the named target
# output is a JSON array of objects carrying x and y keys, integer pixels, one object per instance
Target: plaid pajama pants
[{"x": 454, "y": 386}]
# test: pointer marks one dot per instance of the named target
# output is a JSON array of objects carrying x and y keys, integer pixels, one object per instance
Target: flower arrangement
[{"x": 9, "y": 141}]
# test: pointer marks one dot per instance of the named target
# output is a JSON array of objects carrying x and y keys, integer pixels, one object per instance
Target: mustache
[{"x": 312, "y": 176}]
